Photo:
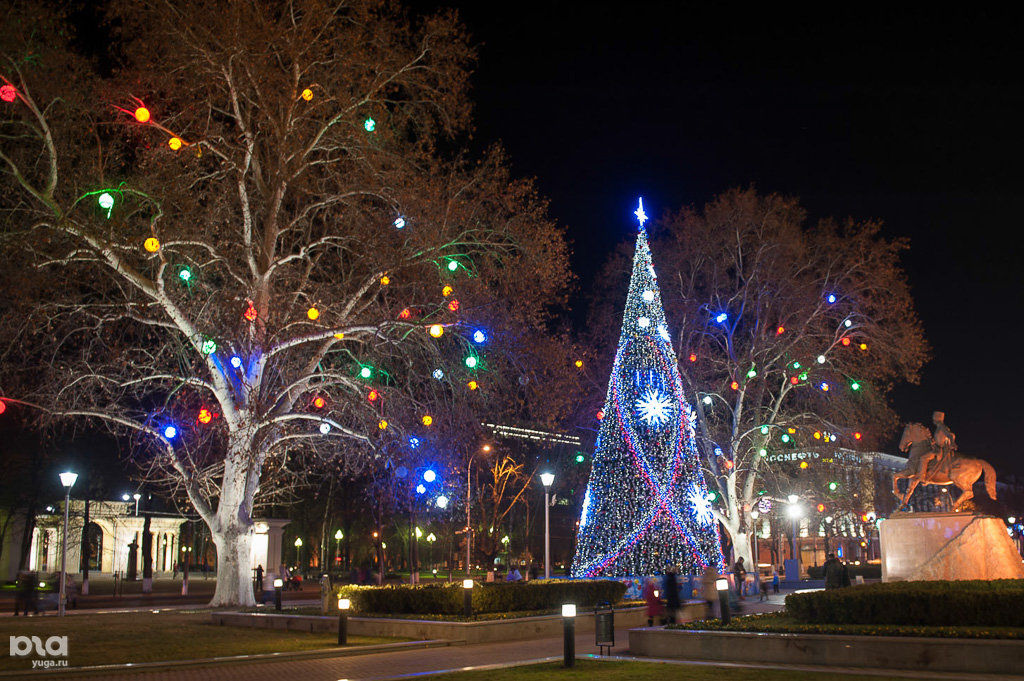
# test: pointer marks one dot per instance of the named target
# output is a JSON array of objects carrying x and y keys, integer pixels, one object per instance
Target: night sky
[{"x": 911, "y": 118}]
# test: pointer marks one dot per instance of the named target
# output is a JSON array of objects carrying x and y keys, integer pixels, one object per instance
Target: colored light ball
[
  {"x": 644, "y": 322},
  {"x": 794, "y": 380},
  {"x": 8, "y": 93},
  {"x": 436, "y": 330},
  {"x": 170, "y": 432},
  {"x": 385, "y": 280},
  {"x": 453, "y": 265},
  {"x": 106, "y": 200},
  {"x": 438, "y": 374},
  {"x": 707, "y": 399},
  {"x": 365, "y": 372},
  {"x": 185, "y": 274},
  {"x": 382, "y": 424},
  {"x": 307, "y": 94},
  {"x": 447, "y": 291},
  {"x": 751, "y": 374},
  {"x": 236, "y": 361},
  {"x": 858, "y": 436},
  {"x": 781, "y": 330},
  {"x": 209, "y": 346},
  {"x": 429, "y": 475},
  {"x": 313, "y": 313},
  {"x": 472, "y": 385},
  {"x": 803, "y": 464},
  {"x": 863, "y": 346},
  {"x": 821, "y": 359},
  {"x": 600, "y": 414},
  {"x": 479, "y": 336},
  {"x": 152, "y": 244},
  {"x": 817, "y": 435},
  {"x": 734, "y": 385},
  {"x": 847, "y": 323},
  {"x": 339, "y": 336},
  {"x": 420, "y": 489},
  {"x": 205, "y": 415},
  {"x": 820, "y": 507},
  {"x": 648, "y": 296},
  {"x": 824, "y": 387},
  {"x": 764, "y": 430},
  {"x": 831, "y": 298},
  {"x": 319, "y": 402},
  {"x": 174, "y": 143},
  {"x": 414, "y": 442},
  {"x": 845, "y": 341},
  {"x": 721, "y": 318},
  {"x": 373, "y": 396},
  {"x": 693, "y": 357},
  {"x": 855, "y": 386},
  {"x": 405, "y": 313},
  {"x": 250, "y": 312},
  {"x": 471, "y": 362},
  {"x": 325, "y": 428},
  {"x": 442, "y": 501},
  {"x": 579, "y": 363},
  {"x": 369, "y": 125},
  {"x": 399, "y": 222},
  {"x": 453, "y": 305},
  {"x": 3, "y": 406},
  {"x": 427, "y": 420},
  {"x": 785, "y": 438},
  {"x": 142, "y": 114}
]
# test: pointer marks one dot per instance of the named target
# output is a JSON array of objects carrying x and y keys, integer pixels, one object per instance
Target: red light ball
[
  {"x": 319, "y": 402},
  {"x": 8, "y": 93}
]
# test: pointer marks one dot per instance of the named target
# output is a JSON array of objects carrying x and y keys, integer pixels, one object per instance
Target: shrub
[
  {"x": 959, "y": 603},
  {"x": 868, "y": 571},
  {"x": 446, "y": 599}
]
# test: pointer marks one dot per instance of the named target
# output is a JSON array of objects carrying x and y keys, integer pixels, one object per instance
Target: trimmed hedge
[
  {"x": 446, "y": 599},
  {"x": 940, "y": 604},
  {"x": 869, "y": 571}
]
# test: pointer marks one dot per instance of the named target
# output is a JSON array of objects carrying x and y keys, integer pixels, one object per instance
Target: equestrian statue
[{"x": 934, "y": 460}]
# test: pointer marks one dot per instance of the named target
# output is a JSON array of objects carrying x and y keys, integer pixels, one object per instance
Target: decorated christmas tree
[{"x": 646, "y": 507}]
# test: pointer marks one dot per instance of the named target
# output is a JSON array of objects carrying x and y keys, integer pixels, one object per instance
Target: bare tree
[
  {"x": 249, "y": 244},
  {"x": 789, "y": 336}
]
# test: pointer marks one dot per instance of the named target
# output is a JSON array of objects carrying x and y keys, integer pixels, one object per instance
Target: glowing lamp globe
[
  {"x": 307, "y": 94},
  {"x": 313, "y": 314},
  {"x": 142, "y": 114},
  {"x": 369, "y": 125},
  {"x": 436, "y": 330},
  {"x": 547, "y": 479},
  {"x": 174, "y": 143},
  {"x": 205, "y": 415},
  {"x": 8, "y": 93},
  {"x": 429, "y": 475},
  {"x": 382, "y": 424},
  {"x": 170, "y": 432},
  {"x": 68, "y": 479},
  {"x": 471, "y": 362},
  {"x": 152, "y": 244},
  {"x": 427, "y": 420}
]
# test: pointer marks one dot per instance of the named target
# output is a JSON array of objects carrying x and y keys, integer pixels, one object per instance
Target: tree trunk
[{"x": 231, "y": 531}]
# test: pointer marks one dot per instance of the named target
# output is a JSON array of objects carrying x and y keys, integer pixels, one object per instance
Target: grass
[
  {"x": 781, "y": 623},
  {"x": 590, "y": 670},
  {"x": 153, "y": 637}
]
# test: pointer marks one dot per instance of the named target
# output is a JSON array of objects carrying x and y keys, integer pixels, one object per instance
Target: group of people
[
  {"x": 663, "y": 600},
  {"x": 837, "y": 575}
]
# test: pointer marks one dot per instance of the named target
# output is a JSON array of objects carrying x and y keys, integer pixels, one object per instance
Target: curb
[{"x": 172, "y": 665}]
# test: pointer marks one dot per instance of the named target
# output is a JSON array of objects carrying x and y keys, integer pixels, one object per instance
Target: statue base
[{"x": 947, "y": 546}]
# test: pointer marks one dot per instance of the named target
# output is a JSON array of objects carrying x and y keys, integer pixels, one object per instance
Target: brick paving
[{"x": 381, "y": 665}]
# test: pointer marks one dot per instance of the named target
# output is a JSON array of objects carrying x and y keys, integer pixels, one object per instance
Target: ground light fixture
[
  {"x": 467, "y": 598},
  {"x": 722, "y": 585},
  {"x": 569, "y": 634},
  {"x": 343, "y": 607},
  {"x": 278, "y": 585}
]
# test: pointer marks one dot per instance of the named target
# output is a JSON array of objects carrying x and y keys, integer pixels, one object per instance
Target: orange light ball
[
  {"x": 734, "y": 385},
  {"x": 205, "y": 416},
  {"x": 385, "y": 280},
  {"x": 307, "y": 94},
  {"x": 803, "y": 464},
  {"x": 142, "y": 114},
  {"x": 319, "y": 402},
  {"x": 453, "y": 306},
  {"x": 857, "y": 436},
  {"x": 693, "y": 357},
  {"x": 781, "y": 330},
  {"x": 427, "y": 420},
  {"x": 152, "y": 244},
  {"x": 817, "y": 435},
  {"x": 863, "y": 346},
  {"x": 174, "y": 143},
  {"x": 373, "y": 396},
  {"x": 472, "y": 385},
  {"x": 794, "y": 380},
  {"x": 447, "y": 291},
  {"x": 845, "y": 341}
]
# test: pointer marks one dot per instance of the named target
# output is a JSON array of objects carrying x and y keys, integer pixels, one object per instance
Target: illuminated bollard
[
  {"x": 467, "y": 598},
  {"x": 278, "y": 585},
  {"x": 569, "y": 628},
  {"x": 723, "y": 598},
  {"x": 343, "y": 605}
]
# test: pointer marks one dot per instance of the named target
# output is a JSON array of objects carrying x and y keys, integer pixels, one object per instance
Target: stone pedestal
[{"x": 947, "y": 546}]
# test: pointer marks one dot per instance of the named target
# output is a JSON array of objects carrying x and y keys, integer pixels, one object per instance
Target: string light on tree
[
  {"x": 141, "y": 114},
  {"x": 209, "y": 346},
  {"x": 170, "y": 432},
  {"x": 453, "y": 265},
  {"x": 472, "y": 385},
  {"x": 204, "y": 416},
  {"x": 479, "y": 337},
  {"x": 313, "y": 314},
  {"x": 106, "y": 202},
  {"x": 369, "y": 125},
  {"x": 399, "y": 222},
  {"x": 174, "y": 143},
  {"x": 646, "y": 504},
  {"x": 236, "y": 361},
  {"x": 325, "y": 428},
  {"x": 307, "y": 94},
  {"x": 152, "y": 244},
  {"x": 436, "y": 330},
  {"x": 250, "y": 312},
  {"x": 427, "y": 420},
  {"x": 365, "y": 372},
  {"x": 438, "y": 374},
  {"x": 447, "y": 291}
]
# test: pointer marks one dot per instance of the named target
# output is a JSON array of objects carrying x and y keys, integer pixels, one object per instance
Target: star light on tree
[
  {"x": 701, "y": 505},
  {"x": 655, "y": 407},
  {"x": 639, "y": 212}
]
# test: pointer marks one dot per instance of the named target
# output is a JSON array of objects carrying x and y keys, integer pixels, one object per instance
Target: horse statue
[{"x": 941, "y": 468}]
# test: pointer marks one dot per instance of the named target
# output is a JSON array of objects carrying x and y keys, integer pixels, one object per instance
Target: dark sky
[{"x": 911, "y": 117}]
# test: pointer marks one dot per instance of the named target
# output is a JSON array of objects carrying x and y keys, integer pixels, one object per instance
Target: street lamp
[
  {"x": 338, "y": 536},
  {"x": 795, "y": 513},
  {"x": 546, "y": 479},
  {"x": 136, "y": 497},
  {"x": 68, "y": 480},
  {"x": 298, "y": 553}
]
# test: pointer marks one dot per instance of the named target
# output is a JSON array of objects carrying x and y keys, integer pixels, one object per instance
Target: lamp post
[
  {"x": 338, "y": 536},
  {"x": 136, "y": 497},
  {"x": 795, "y": 512},
  {"x": 754, "y": 515},
  {"x": 68, "y": 480},
  {"x": 469, "y": 530},
  {"x": 546, "y": 479},
  {"x": 298, "y": 554}
]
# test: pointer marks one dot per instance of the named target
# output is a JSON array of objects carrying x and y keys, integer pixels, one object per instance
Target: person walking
[
  {"x": 653, "y": 600},
  {"x": 833, "y": 572},
  {"x": 740, "y": 574},
  {"x": 762, "y": 583},
  {"x": 670, "y": 587},
  {"x": 775, "y": 581},
  {"x": 710, "y": 580},
  {"x": 259, "y": 577}
]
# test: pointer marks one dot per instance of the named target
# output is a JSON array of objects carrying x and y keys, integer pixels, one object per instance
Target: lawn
[
  {"x": 590, "y": 670},
  {"x": 157, "y": 636},
  {"x": 780, "y": 622}
]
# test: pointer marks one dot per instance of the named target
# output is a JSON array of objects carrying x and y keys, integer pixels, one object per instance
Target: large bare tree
[
  {"x": 789, "y": 337},
  {"x": 258, "y": 237}
]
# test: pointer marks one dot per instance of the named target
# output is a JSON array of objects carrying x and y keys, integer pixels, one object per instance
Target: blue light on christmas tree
[{"x": 646, "y": 507}]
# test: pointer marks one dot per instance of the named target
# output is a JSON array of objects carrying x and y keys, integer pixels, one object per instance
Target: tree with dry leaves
[{"x": 258, "y": 241}]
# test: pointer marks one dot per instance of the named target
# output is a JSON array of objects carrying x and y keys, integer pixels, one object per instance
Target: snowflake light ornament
[
  {"x": 655, "y": 407},
  {"x": 701, "y": 506}
]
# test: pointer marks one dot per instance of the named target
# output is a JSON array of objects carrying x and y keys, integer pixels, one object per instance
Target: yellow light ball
[
  {"x": 174, "y": 143},
  {"x": 472, "y": 385},
  {"x": 447, "y": 291},
  {"x": 152, "y": 244},
  {"x": 436, "y": 330},
  {"x": 579, "y": 364},
  {"x": 313, "y": 313},
  {"x": 427, "y": 420},
  {"x": 385, "y": 280},
  {"x": 382, "y": 424},
  {"x": 307, "y": 94},
  {"x": 339, "y": 336}
]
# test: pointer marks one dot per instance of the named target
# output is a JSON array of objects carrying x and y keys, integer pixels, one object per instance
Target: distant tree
[
  {"x": 258, "y": 240},
  {"x": 789, "y": 336}
]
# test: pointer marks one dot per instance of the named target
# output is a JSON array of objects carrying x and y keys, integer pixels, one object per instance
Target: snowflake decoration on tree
[
  {"x": 655, "y": 407},
  {"x": 701, "y": 506}
]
